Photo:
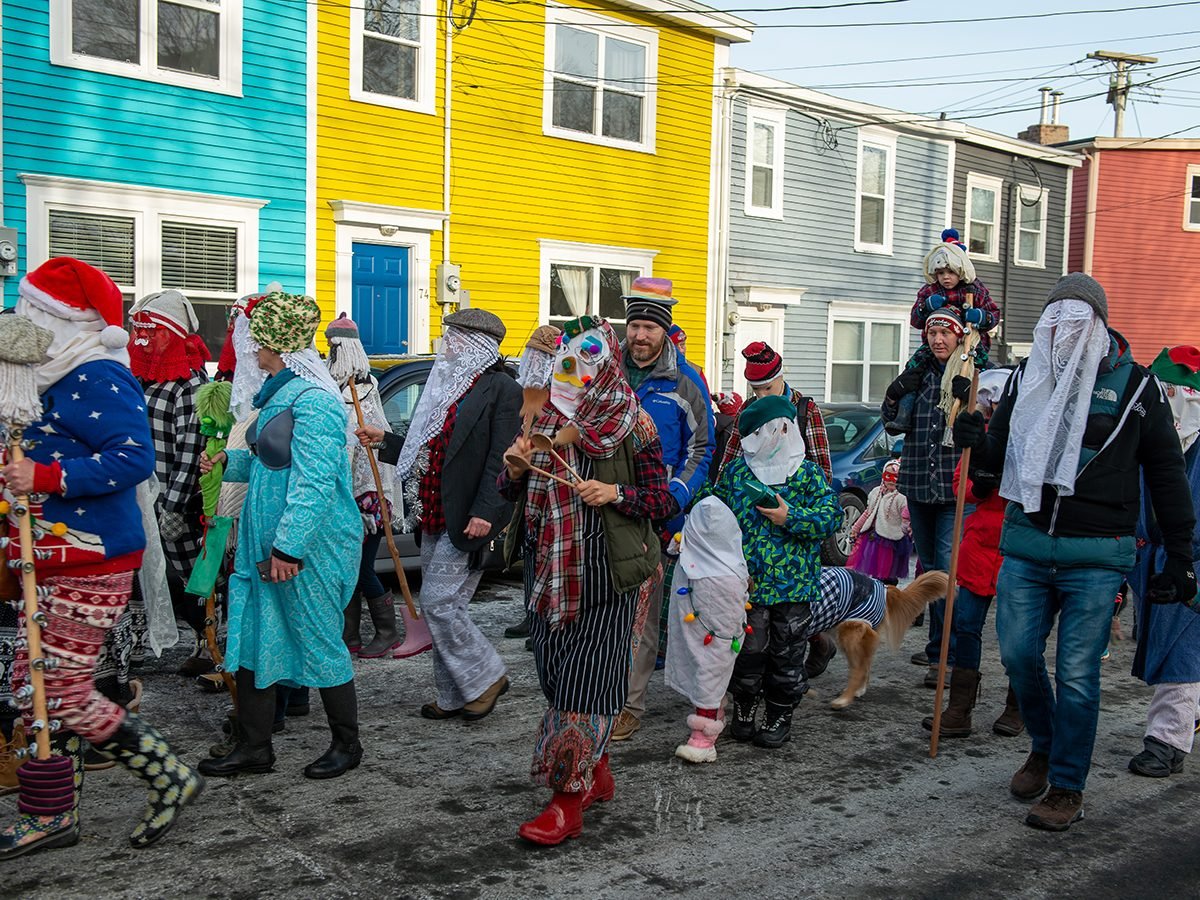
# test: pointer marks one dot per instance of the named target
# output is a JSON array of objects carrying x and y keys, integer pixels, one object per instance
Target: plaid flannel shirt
[
  {"x": 433, "y": 515},
  {"x": 926, "y": 466},
  {"x": 816, "y": 441}
]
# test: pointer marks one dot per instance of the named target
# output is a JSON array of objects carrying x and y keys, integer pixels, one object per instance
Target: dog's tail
[{"x": 905, "y": 604}]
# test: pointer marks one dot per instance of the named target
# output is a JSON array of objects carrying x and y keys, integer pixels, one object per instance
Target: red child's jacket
[{"x": 979, "y": 556}]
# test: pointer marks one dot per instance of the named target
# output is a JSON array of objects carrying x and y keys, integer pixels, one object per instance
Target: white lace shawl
[{"x": 1045, "y": 434}]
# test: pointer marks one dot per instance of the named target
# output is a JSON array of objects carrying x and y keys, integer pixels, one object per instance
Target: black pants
[{"x": 771, "y": 662}]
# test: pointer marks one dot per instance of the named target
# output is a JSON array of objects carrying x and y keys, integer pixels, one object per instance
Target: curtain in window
[{"x": 576, "y": 285}]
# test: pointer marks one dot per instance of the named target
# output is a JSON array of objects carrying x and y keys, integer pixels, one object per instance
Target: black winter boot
[
  {"x": 255, "y": 719},
  {"x": 352, "y": 624},
  {"x": 345, "y": 752},
  {"x": 777, "y": 728},
  {"x": 1157, "y": 760},
  {"x": 139, "y": 747},
  {"x": 383, "y": 617},
  {"x": 745, "y": 718}
]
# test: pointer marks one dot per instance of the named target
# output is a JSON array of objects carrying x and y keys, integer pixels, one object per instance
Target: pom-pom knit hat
[
  {"x": 342, "y": 327},
  {"x": 72, "y": 290},
  {"x": 763, "y": 364}
]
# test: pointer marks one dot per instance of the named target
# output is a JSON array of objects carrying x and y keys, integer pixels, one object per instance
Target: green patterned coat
[{"x": 784, "y": 562}]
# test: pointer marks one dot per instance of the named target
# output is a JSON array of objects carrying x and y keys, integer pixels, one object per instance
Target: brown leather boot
[
  {"x": 1010, "y": 723},
  {"x": 1031, "y": 779},
  {"x": 956, "y": 718},
  {"x": 1057, "y": 811}
]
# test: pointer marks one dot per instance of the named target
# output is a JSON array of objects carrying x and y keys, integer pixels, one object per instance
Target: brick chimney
[{"x": 1048, "y": 130}]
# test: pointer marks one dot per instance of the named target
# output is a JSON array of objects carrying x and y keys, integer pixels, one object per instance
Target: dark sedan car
[{"x": 858, "y": 447}]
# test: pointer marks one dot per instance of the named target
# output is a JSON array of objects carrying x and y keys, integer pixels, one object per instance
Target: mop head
[
  {"x": 212, "y": 408},
  {"x": 22, "y": 346}
]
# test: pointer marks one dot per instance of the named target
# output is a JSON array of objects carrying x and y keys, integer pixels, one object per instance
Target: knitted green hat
[
  {"x": 764, "y": 409},
  {"x": 1178, "y": 365}
]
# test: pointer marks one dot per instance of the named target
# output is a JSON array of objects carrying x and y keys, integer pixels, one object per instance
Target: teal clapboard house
[{"x": 162, "y": 141}]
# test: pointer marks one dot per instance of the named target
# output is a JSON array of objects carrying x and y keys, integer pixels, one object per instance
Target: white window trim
[
  {"x": 1024, "y": 191},
  {"x": 888, "y": 140},
  {"x": 230, "y": 81},
  {"x": 1193, "y": 171},
  {"x": 987, "y": 183},
  {"x": 395, "y": 226},
  {"x": 426, "y": 98},
  {"x": 570, "y": 253},
  {"x": 777, "y": 119},
  {"x": 149, "y": 208},
  {"x": 565, "y": 15},
  {"x": 883, "y": 313}
]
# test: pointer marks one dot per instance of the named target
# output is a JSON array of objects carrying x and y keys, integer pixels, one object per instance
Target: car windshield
[
  {"x": 846, "y": 428},
  {"x": 400, "y": 405}
]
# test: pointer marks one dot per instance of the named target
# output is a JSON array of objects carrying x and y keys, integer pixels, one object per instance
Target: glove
[
  {"x": 908, "y": 381},
  {"x": 368, "y": 520},
  {"x": 983, "y": 486},
  {"x": 960, "y": 388},
  {"x": 969, "y": 430},
  {"x": 171, "y": 526},
  {"x": 935, "y": 301},
  {"x": 974, "y": 315},
  {"x": 1176, "y": 583}
]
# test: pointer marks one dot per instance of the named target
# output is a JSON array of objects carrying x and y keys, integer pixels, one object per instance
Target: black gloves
[
  {"x": 1176, "y": 583},
  {"x": 969, "y": 430},
  {"x": 983, "y": 484},
  {"x": 960, "y": 388},
  {"x": 908, "y": 381}
]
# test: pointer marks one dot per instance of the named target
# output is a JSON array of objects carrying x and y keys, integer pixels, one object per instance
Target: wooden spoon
[
  {"x": 543, "y": 442},
  {"x": 515, "y": 459}
]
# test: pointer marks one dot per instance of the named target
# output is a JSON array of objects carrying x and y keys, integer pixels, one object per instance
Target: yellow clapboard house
[{"x": 573, "y": 151}]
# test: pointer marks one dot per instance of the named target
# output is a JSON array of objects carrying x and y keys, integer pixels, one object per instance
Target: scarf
[
  {"x": 605, "y": 414},
  {"x": 74, "y": 344},
  {"x": 463, "y": 356},
  {"x": 1051, "y": 411}
]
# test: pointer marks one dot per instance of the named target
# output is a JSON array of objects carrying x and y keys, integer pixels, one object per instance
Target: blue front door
[{"x": 380, "y": 297}]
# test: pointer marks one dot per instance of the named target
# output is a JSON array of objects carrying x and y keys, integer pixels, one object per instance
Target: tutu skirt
[{"x": 880, "y": 557}]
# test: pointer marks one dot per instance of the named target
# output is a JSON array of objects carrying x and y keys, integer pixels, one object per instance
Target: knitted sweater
[
  {"x": 885, "y": 515},
  {"x": 93, "y": 448}
]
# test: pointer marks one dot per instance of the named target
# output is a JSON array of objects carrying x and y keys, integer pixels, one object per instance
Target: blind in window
[
  {"x": 201, "y": 258},
  {"x": 105, "y": 242}
]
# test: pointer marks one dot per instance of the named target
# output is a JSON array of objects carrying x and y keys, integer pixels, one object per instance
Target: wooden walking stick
[
  {"x": 21, "y": 345},
  {"x": 383, "y": 502},
  {"x": 960, "y": 503}
]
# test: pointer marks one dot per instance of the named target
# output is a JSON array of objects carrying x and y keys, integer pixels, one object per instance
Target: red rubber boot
[
  {"x": 561, "y": 819},
  {"x": 603, "y": 788}
]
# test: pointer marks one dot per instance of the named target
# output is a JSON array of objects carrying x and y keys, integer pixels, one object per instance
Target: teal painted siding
[
  {"x": 812, "y": 247},
  {"x": 71, "y": 122}
]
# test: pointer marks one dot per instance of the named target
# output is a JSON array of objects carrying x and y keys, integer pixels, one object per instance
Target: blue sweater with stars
[{"x": 93, "y": 448}]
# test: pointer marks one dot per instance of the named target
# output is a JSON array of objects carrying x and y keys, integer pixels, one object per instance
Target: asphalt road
[{"x": 852, "y": 807}]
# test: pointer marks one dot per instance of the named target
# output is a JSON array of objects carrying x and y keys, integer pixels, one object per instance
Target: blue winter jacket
[{"x": 674, "y": 395}]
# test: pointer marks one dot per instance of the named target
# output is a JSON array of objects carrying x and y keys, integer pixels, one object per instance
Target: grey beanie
[{"x": 1077, "y": 286}]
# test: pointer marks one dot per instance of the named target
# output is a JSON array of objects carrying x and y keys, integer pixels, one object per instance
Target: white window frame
[
  {"x": 149, "y": 208},
  {"x": 1023, "y": 192},
  {"x": 603, "y": 26},
  {"x": 1193, "y": 172},
  {"x": 425, "y": 101},
  {"x": 776, "y": 119},
  {"x": 869, "y": 314},
  {"x": 594, "y": 256},
  {"x": 984, "y": 183},
  {"x": 889, "y": 141},
  {"x": 62, "y": 52}
]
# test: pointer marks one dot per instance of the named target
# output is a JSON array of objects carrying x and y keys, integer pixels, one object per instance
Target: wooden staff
[
  {"x": 383, "y": 505},
  {"x": 214, "y": 649},
  {"x": 971, "y": 340},
  {"x": 960, "y": 503},
  {"x": 33, "y": 617}
]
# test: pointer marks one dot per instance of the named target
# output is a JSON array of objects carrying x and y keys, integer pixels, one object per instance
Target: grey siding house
[
  {"x": 825, "y": 214},
  {"x": 1011, "y": 205}
]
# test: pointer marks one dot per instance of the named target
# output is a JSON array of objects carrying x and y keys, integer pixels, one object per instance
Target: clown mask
[{"x": 582, "y": 353}]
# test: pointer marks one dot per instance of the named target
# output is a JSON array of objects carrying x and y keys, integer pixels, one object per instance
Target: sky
[{"x": 985, "y": 73}]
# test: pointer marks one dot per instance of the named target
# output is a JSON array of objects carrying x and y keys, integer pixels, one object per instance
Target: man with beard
[
  {"x": 167, "y": 357},
  {"x": 675, "y": 396}
]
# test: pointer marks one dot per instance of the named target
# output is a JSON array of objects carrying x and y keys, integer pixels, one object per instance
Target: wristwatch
[{"x": 621, "y": 495}]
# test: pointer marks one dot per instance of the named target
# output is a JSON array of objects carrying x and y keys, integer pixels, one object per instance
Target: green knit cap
[
  {"x": 1178, "y": 365},
  {"x": 764, "y": 409}
]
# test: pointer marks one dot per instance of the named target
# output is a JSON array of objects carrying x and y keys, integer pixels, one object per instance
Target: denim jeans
[
  {"x": 369, "y": 584},
  {"x": 970, "y": 615},
  {"x": 1062, "y": 722},
  {"x": 932, "y": 532}
]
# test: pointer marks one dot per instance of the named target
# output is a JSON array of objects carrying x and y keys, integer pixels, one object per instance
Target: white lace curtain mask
[
  {"x": 1185, "y": 409},
  {"x": 1051, "y": 411},
  {"x": 774, "y": 451},
  {"x": 463, "y": 355}
]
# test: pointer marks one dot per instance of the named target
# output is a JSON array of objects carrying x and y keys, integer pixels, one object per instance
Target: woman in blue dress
[{"x": 298, "y": 544}]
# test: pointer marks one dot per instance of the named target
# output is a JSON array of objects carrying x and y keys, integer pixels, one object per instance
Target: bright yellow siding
[{"x": 511, "y": 185}]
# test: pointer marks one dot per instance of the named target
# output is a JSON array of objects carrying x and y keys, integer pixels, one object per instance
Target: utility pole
[{"x": 1119, "y": 86}]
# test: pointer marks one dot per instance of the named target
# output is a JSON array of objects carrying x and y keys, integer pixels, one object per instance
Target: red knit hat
[
  {"x": 70, "y": 289},
  {"x": 763, "y": 364}
]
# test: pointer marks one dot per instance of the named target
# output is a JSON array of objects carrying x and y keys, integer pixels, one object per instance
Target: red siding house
[{"x": 1135, "y": 228}]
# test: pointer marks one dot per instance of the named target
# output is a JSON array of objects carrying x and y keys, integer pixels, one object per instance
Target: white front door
[{"x": 755, "y": 325}]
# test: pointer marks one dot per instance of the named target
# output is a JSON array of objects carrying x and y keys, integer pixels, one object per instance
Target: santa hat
[
  {"x": 1178, "y": 365},
  {"x": 763, "y": 365},
  {"x": 71, "y": 290},
  {"x": 729, "y": 404}
]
